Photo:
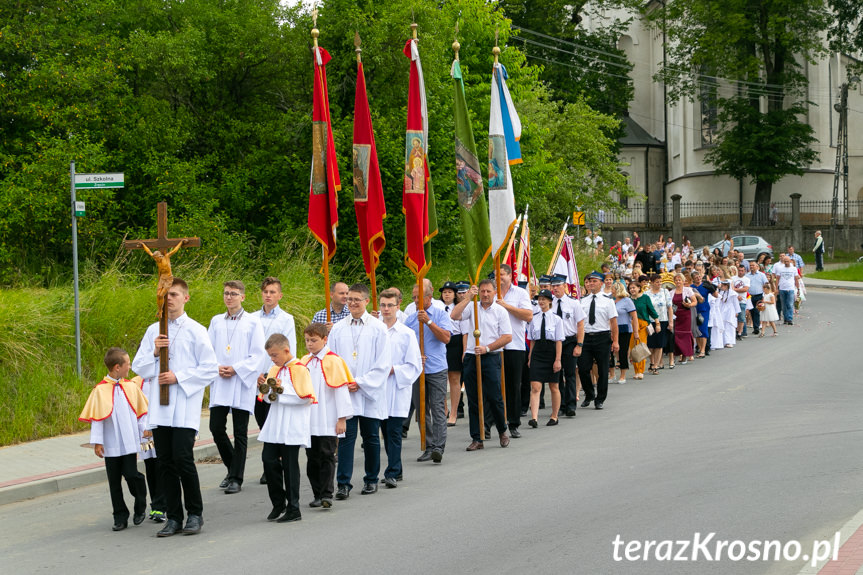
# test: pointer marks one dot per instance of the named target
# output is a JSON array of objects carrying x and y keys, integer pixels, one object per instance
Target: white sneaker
[{"x": 621, "y": 381}]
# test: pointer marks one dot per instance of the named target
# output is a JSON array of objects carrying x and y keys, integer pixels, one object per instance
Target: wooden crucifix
[{"x": 161, "y": 249}]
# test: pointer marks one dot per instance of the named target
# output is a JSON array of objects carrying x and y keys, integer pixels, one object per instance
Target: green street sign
[
  {"x": 80, "y": 210},
  {"x": 85, "y": 181}
]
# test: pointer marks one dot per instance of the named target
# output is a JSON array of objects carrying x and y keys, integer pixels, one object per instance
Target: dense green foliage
[
  {"x": 846, "y": 32},
  {"x": 207, "y": 104},
  {"x": 750, "y": 58}
]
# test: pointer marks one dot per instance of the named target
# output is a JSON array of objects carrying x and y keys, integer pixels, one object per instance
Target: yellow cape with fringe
[
  {"x": 300, "y": 378},
  {"x": 100, "y": 404},
  {"x": 336, "y": 371}
]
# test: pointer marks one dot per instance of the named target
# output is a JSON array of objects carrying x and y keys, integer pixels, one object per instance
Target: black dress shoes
[
  {"x": 598, "y": 405},
  {"x": 316, "y": 503},
  {"x": 193, "y": 525},
  {"x": 570, "y": 413},
  {"x": 233, "y": 487},
  {"x": 437, "y": 456},
  {"x": 514, "y": 432},
  {"x": 369, "y": 488},
  {"x": 424, "y": 456},
  {"x": 586, "y": 402},
  {"x": 533, "y": 423},
  {"x": 119, "y": 525},
  {"x": 343, "y": 492},
  {"x": 225, "y": 482},
  {"x": 391, "y": 482},
  {"x": 171, "y": 528},
  {"x": 138, "y": 518},
  {"x": 263, "y": 480},
  {"x": 552, "y": 422},
  {"x": 274, "y": 514}
]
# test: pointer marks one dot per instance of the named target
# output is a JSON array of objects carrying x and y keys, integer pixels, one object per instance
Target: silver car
[{"x": 751, "y": 246}]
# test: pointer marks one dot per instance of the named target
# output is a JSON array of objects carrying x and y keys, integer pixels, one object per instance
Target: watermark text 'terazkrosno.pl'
[{"x": 708, "y": 548}]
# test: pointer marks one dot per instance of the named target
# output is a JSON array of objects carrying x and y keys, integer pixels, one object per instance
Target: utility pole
[{"x": 841, "y": 171}]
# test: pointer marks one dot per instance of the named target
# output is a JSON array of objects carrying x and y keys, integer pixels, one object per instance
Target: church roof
[{"x": 637, "y": 136}]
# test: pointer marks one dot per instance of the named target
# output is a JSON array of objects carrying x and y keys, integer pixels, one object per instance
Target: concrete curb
[
  {"x": 75, "y": 478},
  {"x": 832, "y": 284}
]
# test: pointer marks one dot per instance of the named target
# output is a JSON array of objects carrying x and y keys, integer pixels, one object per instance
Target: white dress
[
  {"x": 289, "y": 419},
  {"x": 769, "y": 313}
]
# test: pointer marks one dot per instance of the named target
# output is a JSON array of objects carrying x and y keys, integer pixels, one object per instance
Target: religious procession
[{"x": 494, "y": 348}]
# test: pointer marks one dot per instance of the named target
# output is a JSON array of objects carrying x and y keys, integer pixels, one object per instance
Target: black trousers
[
  {"x": 568, "y": 375},
  {"x": 756, "y": 315},
  {"x": 157, "y": 498},
  {"x": 282, "y": 466},
  {"x": 321, "y": 465},
  {"x": 597, "y": 348},
  {"x": 125, "y": 467},
  {"x": 513, "y": 368},
  {"x": 490, "y": 365},
  {"x": 233, "y": 456},
  {"x": 819, "y": 260},
  {"x": 262, "y": 409},
  {"x": 178, "y": 476}
]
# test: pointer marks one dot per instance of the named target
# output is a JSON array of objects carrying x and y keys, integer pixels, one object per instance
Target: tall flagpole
[
  {"x": 421, "y": 302},
  {"x": 372, "y": 275},
  {"x": 511, "y": 243},
  {"x": 326, "y": 253},
  {"x": 496, "y": 52},
  {"x": 557, "y": 247}
]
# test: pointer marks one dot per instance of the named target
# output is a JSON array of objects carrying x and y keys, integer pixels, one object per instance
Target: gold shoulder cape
[
  {"x": 336, "y": 371},
  {"x": 300, "y": 379},
  {"x": 100, "y": 404}
]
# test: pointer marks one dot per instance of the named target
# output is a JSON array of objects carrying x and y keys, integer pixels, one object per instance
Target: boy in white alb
[
  {"x": 114, "y": 410},
  {"x": 192, "y": 368},
  {"x": 407, "y": 366},
  {"x": 238, "y": 341},
  {"x": 273, "y": 320},
  {"x": 289, "y": 392},
  {"x": 330, "y": 379}
]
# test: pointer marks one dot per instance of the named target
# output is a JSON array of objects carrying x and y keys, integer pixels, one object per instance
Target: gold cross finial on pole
[
  {"x": 455, "y": 45},
  {"x": 357, "y": 48},
  {"x": 496, "y": 49},
  {"x": 315, "y": 31}
]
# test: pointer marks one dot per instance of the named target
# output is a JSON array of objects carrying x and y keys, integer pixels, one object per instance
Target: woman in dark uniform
[
  {"x": 454, "y": 352},
  {"x": 546, "y": 343}
]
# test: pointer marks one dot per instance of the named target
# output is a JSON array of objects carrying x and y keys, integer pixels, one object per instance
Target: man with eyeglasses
[
  {"x": 238, "y": 340},
  {"x": 740, "y": 285},
  {"x": 361, "y": 340}
]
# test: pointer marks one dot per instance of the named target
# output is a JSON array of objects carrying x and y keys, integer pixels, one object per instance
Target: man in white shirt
[
  {"x": 406, "y": 367},
  {"x": 627, "y": 243},
  {"x": 786, "y": 275},
  {"x": 740, "y": 285},
  {"x": 238, "y": 341},
  {"x": 757, "y": 279},
  {"x": 495, "y": 333},
  {"x": 516, "y": 301},
  {"x": 568, "y": 310},
  {"x": 273, "y": 320},
  {"x": 361, "y": 340},
  {"x": 193, "y": 366},
  {"x": 600, "y": 338}
]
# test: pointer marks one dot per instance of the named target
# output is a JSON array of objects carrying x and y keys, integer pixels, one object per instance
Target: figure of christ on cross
[{"x": 155, "y": 248}]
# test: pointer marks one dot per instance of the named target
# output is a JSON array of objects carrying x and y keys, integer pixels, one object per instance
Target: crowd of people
[{"x": 497, "y": 344}]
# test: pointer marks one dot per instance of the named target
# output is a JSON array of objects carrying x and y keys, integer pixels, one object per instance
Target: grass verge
[{"x": 853, "y": 273}]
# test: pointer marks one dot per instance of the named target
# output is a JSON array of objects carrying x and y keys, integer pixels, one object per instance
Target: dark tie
[
  {"x": 446, "y": 309},
  {"x": 591, "y": 315},
  {"x": 559, "y": 310},
  {"x": 542, "y": 328}
]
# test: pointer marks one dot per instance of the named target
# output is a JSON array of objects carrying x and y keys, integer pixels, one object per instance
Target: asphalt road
[{"x": 764, "y": 442}]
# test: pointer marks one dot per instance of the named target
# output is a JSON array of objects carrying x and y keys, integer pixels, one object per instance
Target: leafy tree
[
  {"x": 758, "y": 49},
  {"x": 846, "y": 31}
]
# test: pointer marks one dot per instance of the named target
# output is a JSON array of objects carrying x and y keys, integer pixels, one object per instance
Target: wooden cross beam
[{"x": 164, "y": 244}]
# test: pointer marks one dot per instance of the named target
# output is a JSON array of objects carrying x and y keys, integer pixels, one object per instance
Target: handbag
[
  {"x": 639, "y": 352},
  {"x": 699, "y": 319},
  {"x": 650, "y": 329}
]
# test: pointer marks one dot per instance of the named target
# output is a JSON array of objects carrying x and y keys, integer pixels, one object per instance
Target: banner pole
[
  {"x": 557, "y": 247},
  {"x": 476, "y": 334},
  {"x": 327, "y": 282},
  {"x": 422, "y": 405}
]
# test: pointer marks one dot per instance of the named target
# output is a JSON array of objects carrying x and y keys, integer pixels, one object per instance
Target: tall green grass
[{"x": 40, "y": 394}]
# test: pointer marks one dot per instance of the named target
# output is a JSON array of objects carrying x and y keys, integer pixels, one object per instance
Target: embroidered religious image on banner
[
  {"x": 414, "y": 163},
  {"x": 319, "y": 158},
  {"x": 496, "y": 162},
  {"x": 361, "y": 172},
  {"x": 468, "y": 177}
]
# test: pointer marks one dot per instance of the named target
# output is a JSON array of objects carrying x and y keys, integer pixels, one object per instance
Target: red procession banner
[
  {"x": 368, "y": 190},
  {"x": 417, "y": 197},
  {"x": 325, "y": 183}
]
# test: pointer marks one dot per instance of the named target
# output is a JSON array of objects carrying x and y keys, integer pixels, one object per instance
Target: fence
[{"x": 812, "y": 212}]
